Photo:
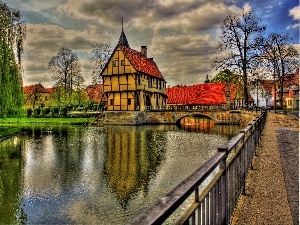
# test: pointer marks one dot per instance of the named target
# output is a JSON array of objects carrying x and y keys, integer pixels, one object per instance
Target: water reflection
[
  {"x": 11, "y": 181},
  {"x": 132, "y": 158},
  {"x": 94, "y": 175},
  {"x": 207, "y": 125},
  {"x": 203, "y": 124}
]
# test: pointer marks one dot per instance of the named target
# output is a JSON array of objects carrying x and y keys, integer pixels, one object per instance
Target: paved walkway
[{"x": 272, "y": 188}]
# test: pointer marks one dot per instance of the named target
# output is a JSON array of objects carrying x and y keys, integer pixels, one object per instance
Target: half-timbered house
[{"x": 132, "y": 81}]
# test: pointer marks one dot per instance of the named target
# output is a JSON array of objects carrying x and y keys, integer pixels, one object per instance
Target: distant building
[
  {"x": 95, "y": 93},
  {"x": 131, "y": 80},
  {"x": 290, "y": 91},
  {"x": 205, "y": 95},
  {"x": 37, "y": 96},
  {"x": 207, "y": 80},
  {"x": 199, "y": 94},
  {"x": 237, "y": 96}
]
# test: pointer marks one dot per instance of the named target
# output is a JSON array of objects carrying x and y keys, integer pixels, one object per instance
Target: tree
[
  {"x": 281, "y": 59},
  {"x": 238, "y": 41},
  {"x": 13, "y": 29},
  {"x": 226, "y": 76},
  {"x": 12, "y": 35},
  {"x": 102, "y": 52},
  {"x": 66, "y": 73}
]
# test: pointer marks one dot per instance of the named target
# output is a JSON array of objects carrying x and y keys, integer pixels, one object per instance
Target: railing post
[
  {"x": 245, "y": 155},
  {"x": 224, "y": 218}
]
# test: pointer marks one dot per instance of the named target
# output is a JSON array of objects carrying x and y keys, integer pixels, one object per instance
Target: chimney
[{"x": 144, "y": 51}]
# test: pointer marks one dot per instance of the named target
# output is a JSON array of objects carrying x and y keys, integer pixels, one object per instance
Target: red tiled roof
[
  {"x": 291, "y": 79},
  {"x": 199, "y": 94},
  {"x": 50, "y": 90},
  {"x": 35, "y": 88},
  {"x": 141, "y": 63},
  {"x": 267, "y": 85},
  {"x": 288, "y": 80},
  {"x": 94, "y": 92}
]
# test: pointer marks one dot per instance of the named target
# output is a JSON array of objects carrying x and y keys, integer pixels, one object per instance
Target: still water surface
[{"x": 97, "y": 175}]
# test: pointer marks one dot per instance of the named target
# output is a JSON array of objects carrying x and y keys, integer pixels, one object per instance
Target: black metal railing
[{"x": 216, "y": 185}]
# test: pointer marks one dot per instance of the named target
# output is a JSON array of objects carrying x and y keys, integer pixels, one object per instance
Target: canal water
[{"x": 98, "y": 175}]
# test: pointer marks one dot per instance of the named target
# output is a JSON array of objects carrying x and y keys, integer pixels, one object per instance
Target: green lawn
[{"x": 47, "y": 121}]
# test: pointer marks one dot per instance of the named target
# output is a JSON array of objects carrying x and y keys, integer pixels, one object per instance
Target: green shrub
[
  {"x": 29, "y": 112},
  {"x": 36, "y": 112},
  {"x": 63, "y": 112},
  {"x": 45, "y": 111},
  {"x": 54, "y": 111}
]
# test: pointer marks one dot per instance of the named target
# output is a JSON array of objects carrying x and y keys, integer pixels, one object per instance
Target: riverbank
[
  {"x": 46, "y": 121},
  {"x": 13, "y": 126},
  {"x": 6, "y": 132},
  {"x": 272, "y": 187}
]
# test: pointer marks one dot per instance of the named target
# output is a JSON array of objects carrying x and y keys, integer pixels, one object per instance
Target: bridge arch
[{"x": 195, "y": 114}]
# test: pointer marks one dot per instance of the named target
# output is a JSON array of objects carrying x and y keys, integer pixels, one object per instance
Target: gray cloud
[{"x": 181, "y": 35}]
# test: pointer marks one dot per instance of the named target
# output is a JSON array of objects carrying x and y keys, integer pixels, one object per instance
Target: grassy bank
[
  {"x": 47, "y": 121},
  {"x": 12, "y": 126},
  {"x": 6, "y": 132}
]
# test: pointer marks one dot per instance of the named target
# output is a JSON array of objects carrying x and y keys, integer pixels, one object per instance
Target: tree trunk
[
  {"x": 275, "y": 97},
  {"x": 245, "y": 88}
]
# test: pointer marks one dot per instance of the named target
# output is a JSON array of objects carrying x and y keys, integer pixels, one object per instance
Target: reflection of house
[
  {"x": 130, "y": 161},
  {"x": 37, "y": 95},
  {"x": 132, "y": 81}
]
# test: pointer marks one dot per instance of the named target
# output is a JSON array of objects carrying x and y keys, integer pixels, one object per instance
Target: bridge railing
[
  {"x": 215, "y": 187},
  {"x": 196, "y": 108}
]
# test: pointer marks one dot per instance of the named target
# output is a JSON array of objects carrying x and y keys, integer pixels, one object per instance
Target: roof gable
[
  {"x": 123, "y": 39},
  {"x": 35, "y": 88},
  {"x": 141, "y": 63},
  {"x": 137, "y": 60}
]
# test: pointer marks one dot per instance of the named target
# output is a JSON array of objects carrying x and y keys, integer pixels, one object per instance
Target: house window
[
  {"x": 156, "y": 83},
  {"x": 122, "y": 62},
  {"x": 138, "y": 79},
  {"x": 111, "y": 101},
  {"x": 149, "y": 82},
  {"x": 129, "y": 101},
  {"x": 115, "y": 63},
  {"x": 159, "y": 85}
]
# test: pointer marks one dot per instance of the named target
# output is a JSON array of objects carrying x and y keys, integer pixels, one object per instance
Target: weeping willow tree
[{"x": 12, "y": 36}]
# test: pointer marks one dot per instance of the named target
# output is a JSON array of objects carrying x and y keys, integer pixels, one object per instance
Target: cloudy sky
[{"x": 181, "y": 35}]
